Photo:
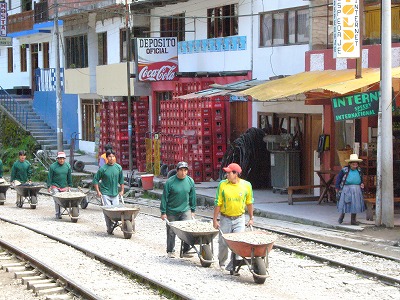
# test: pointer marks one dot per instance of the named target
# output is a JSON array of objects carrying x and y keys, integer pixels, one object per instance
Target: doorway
[{"x": 34, "y": 65}]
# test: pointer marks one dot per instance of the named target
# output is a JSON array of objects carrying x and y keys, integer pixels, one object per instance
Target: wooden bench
[
  {"x": 370, "y": 202},
  {"x": 291, "y": 189}
]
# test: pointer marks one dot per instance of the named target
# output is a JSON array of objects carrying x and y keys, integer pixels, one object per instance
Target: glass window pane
[
  {"x": 279, "y": 29},
  {"x": 292, "y": 26},
  {"x": 266, "y": 30},
  {"x": 303, "y": 26}
]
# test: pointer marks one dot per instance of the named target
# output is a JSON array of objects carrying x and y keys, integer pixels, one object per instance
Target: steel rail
[
  {"x": 109, "y": 262},
  {"x": 66, "y": 282}
]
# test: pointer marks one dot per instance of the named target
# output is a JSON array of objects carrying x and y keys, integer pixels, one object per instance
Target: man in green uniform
[
  {"x": 59, "y": 179},
  {"x": 232, "y": 197},
  {"x": 106, "y": 182},
  {"x": 21, "y": 169},
  {"x": 178, "y": 203}
]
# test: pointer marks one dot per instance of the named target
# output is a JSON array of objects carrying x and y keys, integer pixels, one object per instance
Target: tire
[
  {"x": 34, "y": 200},
  {"x": 79, "y": 166},
  {"x": 74, "y": 214},
  {"x": 20, "y": 201},
  {"x": 127, "y": 229},
  {"x": 84, "y": 202},
  {"x": 164, "y": 170},
  {"x": 260, "y": 269},
  {"x": 207, "y": 255},
  {"x": 33, "y": 206}
]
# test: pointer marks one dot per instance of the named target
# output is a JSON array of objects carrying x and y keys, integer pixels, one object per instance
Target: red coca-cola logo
[{"x": 155, "y": 73}]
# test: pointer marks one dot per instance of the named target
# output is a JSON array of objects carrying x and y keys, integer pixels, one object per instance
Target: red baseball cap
[{"x": 233, "y": 167}]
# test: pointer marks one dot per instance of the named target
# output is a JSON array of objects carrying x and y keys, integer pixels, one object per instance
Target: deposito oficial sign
[
  {"x": 356, "y": 106},
  {"x": 157, "y": 58},
  {"x": 346, "y": 29}
]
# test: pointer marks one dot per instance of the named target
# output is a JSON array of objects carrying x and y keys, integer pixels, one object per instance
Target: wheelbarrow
[
  {"x": 253, "y": 247},
  {"x": 197, "y": 232},
  {"x": 69, "y": 201},
  {"x": 3, "y": 190},
  {"x": 27, "y": 192},
  {"x": 123, "y": 217}
]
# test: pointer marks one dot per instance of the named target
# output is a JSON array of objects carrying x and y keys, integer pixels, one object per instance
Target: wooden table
[{"x": 326, "y": 185}]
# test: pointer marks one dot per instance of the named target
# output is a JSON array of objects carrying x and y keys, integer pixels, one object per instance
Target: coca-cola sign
[{"x": 157, "y": 59}]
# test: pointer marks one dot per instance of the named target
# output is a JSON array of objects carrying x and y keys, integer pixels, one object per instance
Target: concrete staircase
[{"x": 31, "y": 121}]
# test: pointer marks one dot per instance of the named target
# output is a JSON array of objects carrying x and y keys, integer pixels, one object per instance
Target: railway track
[
  {"x": 370, "y": 264},
  {"x": 144, "y": 254}
]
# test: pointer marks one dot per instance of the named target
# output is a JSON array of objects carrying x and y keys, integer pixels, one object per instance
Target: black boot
[
  {"x": 341, "y": 217},
  {"x": 353, "y": 219}
]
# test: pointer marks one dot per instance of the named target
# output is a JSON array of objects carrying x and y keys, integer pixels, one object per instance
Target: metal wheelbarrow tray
[
  {"x": 3, "y": 190},
  {"x": 253, "y": 247},
  {"x": 194, "y": 232},
  {"x": 27, "y": 192},
  {"x": 69, "y": 201},
  {"x": 123, "y": 217}
]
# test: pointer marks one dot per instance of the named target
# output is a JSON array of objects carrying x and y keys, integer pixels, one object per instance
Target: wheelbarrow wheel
[
  {"x": 127, "y": 229},
  {"x": 207, "y": 255},
  {"x": 84, "y": 202},
  {"x": 20, "y": 201},
  {"x": 259, "y": 268},
  {"x": 74, "y": 214}
]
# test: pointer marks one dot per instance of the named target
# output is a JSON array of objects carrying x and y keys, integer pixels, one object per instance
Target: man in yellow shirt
[{"x": 232, "y": 197}]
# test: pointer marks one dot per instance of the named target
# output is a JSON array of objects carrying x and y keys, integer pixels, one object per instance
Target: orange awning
[{"x": 328, "y": 81}]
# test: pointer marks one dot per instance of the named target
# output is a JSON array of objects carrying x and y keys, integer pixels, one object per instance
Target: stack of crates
[
  {"x": 194, "y": 130},
  {"x": 140, "y": 116},
  {"x": 114, "y": 131}
]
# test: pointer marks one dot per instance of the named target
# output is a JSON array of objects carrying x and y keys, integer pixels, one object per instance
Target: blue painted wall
[{"x": 44, "y": 104}]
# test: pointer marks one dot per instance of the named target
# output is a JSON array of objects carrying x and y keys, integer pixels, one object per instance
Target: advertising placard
[
  {"x": 3, "y": 19},
  {"x": 356, "y": 106},
  {"x": 157, "y": 58},
  {"x": 5, "y": 41},
  {"x": 346, "y": 29}
]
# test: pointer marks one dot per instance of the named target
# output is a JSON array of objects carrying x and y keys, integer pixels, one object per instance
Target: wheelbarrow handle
[{"x": 122, "y": 199}]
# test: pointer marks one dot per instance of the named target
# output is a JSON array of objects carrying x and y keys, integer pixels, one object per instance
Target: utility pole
[
  {"x": 387, "y": 129},
  {"x": 128, "y": 77},
  {"x": 60, "y": 134}
]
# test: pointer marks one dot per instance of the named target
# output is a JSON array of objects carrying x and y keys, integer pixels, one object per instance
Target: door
[
  {"x": 238, "y": 119},
  {"x": 34, "y": 65},
  {"x": 312, "y": 132}
]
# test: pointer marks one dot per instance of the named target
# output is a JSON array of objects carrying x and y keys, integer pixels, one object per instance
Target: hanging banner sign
[
  {"x": 346, "y": 29},
  {"x": 356, "y": 106},
  {"x": 3, "y": 19},
  {"x": 157, "y": 58}
]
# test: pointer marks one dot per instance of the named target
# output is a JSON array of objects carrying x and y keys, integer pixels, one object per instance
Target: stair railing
[{"x": 14, "y": 108}]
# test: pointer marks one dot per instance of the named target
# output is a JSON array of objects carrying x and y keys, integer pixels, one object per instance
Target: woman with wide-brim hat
[{"x": 349, "y": 190}]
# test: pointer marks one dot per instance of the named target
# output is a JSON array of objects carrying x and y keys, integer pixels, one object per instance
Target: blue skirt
[{"x": 351, "y": 200}]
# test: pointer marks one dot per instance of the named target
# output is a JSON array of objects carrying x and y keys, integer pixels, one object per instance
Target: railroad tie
[
  {"x": 44, "y": 286},
  {"x": 56, "y": 290},
  {"x": 24, "y": 280},
  {"x": 19, "y": 275},
  {"x": 14, "y": 264},
  {"x": 31, "y": 283}
]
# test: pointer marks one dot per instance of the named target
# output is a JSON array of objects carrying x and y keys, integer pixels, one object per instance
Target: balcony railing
[{"x": 20, "y": 22}]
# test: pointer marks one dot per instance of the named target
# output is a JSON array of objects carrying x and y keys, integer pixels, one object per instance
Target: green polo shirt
[
  {"x": 108, "y": 177},
  {"x": 59, "y": 175},
  {"x": 1, "y": 169},
  {"x": 21, "y": 171}
]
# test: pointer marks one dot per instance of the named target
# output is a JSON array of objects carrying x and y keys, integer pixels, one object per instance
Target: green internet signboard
[{"x": 356, "y": 106}]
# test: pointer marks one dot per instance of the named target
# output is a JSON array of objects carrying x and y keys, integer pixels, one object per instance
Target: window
[
  {"x": 122, "y": 46},
  {"x": 10, "y": 60},
  {"x": 89, "y": 110},
  {"x": 222, "y": 21},
  {"x": 46, "y": 60},
  {"x": 76, "y": 51},
  {"x": 102, "y": 48},
  {"x": 22, "y": 50},
  {"x": 285, "y": 27},
  {"x": 26, "y": 5},
  {"x": 173, "y": 26}
]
